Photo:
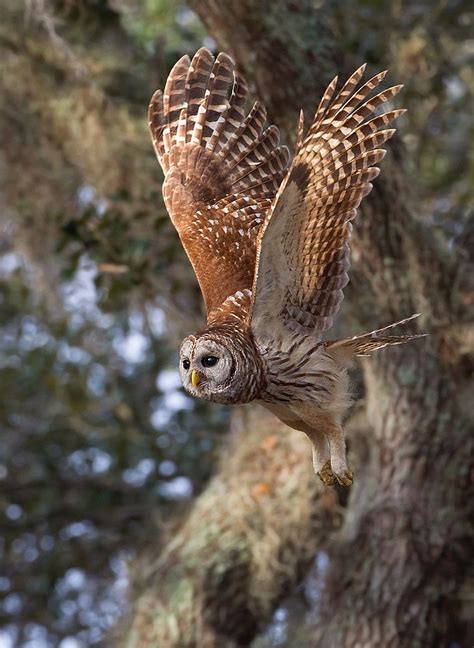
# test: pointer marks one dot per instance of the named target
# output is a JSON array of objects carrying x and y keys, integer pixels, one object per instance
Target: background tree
[{"x": 95, "y": 294}]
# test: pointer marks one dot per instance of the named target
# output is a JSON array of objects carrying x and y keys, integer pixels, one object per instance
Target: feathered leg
[
  {"x": 324, "y": 430},
  {"x": 329, "y": 426},
  {"x": 319, "y": 442},
  {"x": 337, "y": 450},
  {"x": 321, "y": 457}
]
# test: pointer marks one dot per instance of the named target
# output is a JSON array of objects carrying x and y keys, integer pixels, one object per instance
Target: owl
[{"x": 268, "y": 239}]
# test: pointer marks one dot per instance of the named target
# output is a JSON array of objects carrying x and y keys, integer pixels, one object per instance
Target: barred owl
[{"x": 269, "y": 241}]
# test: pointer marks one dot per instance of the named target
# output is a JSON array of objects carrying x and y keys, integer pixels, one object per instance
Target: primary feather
[
  {"x": 304, "y": 248},
  {"x": 222, "y": 170}
]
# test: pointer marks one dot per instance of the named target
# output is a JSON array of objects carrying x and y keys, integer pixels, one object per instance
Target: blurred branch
[
  {"x": 285, "y": 49},
  {"x": 41, "y": 12}
]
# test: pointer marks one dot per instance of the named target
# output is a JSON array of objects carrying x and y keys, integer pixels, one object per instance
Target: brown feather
[
  {"x": 222, "y": 170},
  {"x": 303, "y": 256},
  {"x": 365, "y": 344}
]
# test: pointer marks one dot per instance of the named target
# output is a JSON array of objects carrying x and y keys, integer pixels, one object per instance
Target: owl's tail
[{"x": 363, "y": 345}]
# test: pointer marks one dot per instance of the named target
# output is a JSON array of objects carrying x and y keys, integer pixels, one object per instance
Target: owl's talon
[
  {"x": 326, "y": 474},
  {"x": 345, "y": 478}
]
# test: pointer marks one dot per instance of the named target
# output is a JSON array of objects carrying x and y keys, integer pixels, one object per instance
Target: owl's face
[{"x": 207, "y": 369}]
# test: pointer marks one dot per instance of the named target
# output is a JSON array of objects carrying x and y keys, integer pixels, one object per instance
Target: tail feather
[{"x": 363, "y": 345}]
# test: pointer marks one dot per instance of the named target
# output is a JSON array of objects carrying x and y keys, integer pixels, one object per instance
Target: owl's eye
[
  {"x": 186, "y": 364},
  {"x": 209, "y": 361}
]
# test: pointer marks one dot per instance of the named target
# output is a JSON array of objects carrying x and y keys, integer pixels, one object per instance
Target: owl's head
[{"x": 220, "y": 367}]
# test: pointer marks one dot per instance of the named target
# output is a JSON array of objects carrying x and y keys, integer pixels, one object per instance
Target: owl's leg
[
  {"x": 337, "y": 448},
  {"x": 319, "y": 447},
  {"x": 321, "y": 458},
  {"x": 330, "y": 466}
]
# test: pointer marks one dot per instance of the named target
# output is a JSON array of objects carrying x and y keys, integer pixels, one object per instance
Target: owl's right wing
[
  {"x": 222, "y": 170},
  {"x": 303, "y": 249}
]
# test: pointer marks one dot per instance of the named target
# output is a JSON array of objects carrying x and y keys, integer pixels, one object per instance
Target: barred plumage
[
  {"x": 269, "y": 242},
  {"x": 222, "y": 169}
]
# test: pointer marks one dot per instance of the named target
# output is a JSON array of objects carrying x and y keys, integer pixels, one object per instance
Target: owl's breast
[{"x": 301, "y": 370}]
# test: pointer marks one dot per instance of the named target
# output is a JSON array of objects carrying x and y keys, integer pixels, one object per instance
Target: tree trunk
[
  {"x": 248, "y": 539},
  {"x": 398, "y": 565}
]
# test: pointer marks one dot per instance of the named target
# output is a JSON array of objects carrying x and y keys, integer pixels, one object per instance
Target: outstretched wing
[
  {"x": 303, "y": 254},
  {"x": 222, "y": 170}
]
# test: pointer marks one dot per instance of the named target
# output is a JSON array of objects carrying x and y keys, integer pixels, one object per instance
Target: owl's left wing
[
  {"x": 303, "y": 248},
  {"x": 222, "y": 170}
]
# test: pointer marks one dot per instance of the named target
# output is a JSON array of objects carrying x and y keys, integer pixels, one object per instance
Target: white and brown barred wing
[
  {"x": 222, "y": 170},
  {"x": 303, "y": 255}
]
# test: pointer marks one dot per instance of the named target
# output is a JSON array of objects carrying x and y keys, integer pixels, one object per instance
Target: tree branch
[
  {"x": 248, "y": 539},
  {"x": 284, "y": 40}
]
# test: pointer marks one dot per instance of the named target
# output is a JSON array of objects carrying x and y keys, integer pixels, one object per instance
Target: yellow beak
[{"x": 195, "y": 378}]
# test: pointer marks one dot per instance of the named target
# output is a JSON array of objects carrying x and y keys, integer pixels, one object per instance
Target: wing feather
[
  {"x": 222, "y": 170},
  {"x": 303, "y": 248},
  {"x": 346, "y": 91},
  {"x": 325, "y": 101}
]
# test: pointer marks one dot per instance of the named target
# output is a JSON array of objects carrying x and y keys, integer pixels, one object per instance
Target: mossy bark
[{"x": 249, "y": 537}]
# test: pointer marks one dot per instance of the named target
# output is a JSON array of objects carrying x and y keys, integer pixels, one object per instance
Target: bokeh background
[{"x": 101, "y": 450}]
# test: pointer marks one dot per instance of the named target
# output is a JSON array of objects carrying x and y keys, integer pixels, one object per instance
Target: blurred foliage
[
  {"x": 169, "y": 21},
  {"x": 429, "y": 47},
  {"x": 98, "y": 441}
]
